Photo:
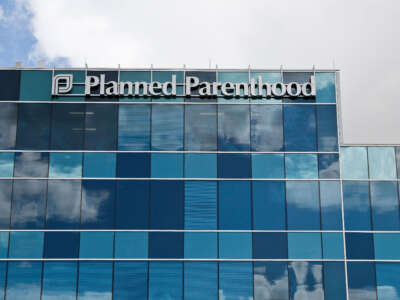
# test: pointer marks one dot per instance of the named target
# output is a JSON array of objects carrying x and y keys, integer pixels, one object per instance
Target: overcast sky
[{"x": 360, "y": 37}]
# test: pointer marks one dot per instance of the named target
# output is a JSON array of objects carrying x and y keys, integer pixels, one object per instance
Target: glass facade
[{"x": 191, "y": 197}]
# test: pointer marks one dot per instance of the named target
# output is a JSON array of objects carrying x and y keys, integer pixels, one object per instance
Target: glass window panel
[
  {"x": 235, "y": 280},
  {"x": 361, "y": 280},
  {"x": 303, "y": 210},
  {"x": 201, "y": 245},
  {"x": 203, "y": 76},
  {"x": 23, "y": 280},
  {"x": 65, "y": 165},
  {"x": 201, "y": 280},
  {"x": 6, "y": 164},
  {"x": 233, "y": 128},
  {"x": 167, "y": 127},
  {"x": 200, "y": 205},
  {"x": 67, "y": 126},
  {"x": 270, "y": 245},
  {"x": 109, "y": 76},
  {"x": 271, "y": 281},
  {"x": 269, "y": 209},
  {"x": 166, "y": 165},
  {"x": 354, "y": 162},
  {"x": 301, "y": 166},
  {"x": 29, "y": 204},
  {"x": 31, "y": 164},
  {"x": 165, "y": 280},
  {"x": 332, "y": 245},
  {"x": 385, "y": 205},
  {"x": 328, "y": 165},
  {"x": 134, "y": 127},
  {"x": 305, "y": 280},
  {"x": 33, "y": 131},
  {"x": 398, "y": 161},
  {"x": 331, "y": 208},
  {"x": 130, "y": 280},
  {"x": 3, "y": 247},
  {"x": 325, "y": 84},
  {"x": 268, "y": 77},
  {"x": 388, "y": 281},
  {"x": 59, "y": 280},
  {"x": 96, "y": 245},
  {"x": 266, "y": 128},
  {"x": 166, "y": 245},
  {"x": 234, "y": 205},
  {"x": 303, "y": 245},
  {"x": 327, "y": 128},
  {"x": 3, "y": 270},
  {"x": 61, "y": 245},
  {"x": 334, "y": 281},
  {"x": 235, "y": 245},
  {"x": 387, "y": 245},
  {"x": 11, "y": 80},
  {"x": 164, "y": 76},
  {"x": 97, "y": 204},
  {"x": 382, "y": 163},
  {"x": 359, "y": 246},
  {"x": 8, "y": 125},
  {"x": 35, "y": 85},
  {"x": 201, "y": 127},
  {"x": 5, "y": 203},
  {"x": 26, "y": 244},
  {"x": 99, "y": 164},
  {"x": 131, "y": 244},
  {"x": 133, "y": 165},
  {"x": 200, "y": 165},
  {"x": 132, "y": 207},
  {"x": 267, "y": 166},
  {"x": 356, "y": 205},
  {"x": 95, "y": 280},
  {"x": 234, "y": 165},
  {"x": 233, "y": 77}
]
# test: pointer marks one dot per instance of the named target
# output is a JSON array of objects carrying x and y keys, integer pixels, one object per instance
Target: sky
[{"x": 359, "y": 37}]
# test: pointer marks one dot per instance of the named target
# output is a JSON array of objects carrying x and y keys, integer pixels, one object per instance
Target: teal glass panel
[
  {"x": 65, "y": 165},
  {"x": 35, "y": 85},
  {"x": 95, "y": 280},
  {"x": 26, "y": 244},
  {"x": 331, "y": 208},
  {"x": 235, "y": 245},
  {"x": 6, "y": 164},
  {"x": 354, "y": 163},
  {"x": 201, "y": 245},
  {"x": 234, "y": 77},
  {"x": 387, "y": 245},
  {"x": 267, "y": 166},
  {"x": 200, "y": 280},
  {"x": 332, "y": 245},
  {"x": 388, "y": 281},
  {"x": 301, "y": 166},
  {"x": 165, "y": 76},
  {"x": 99, "y": 165},
  {"x": 382, "y": 163},
  {"x": 96, "y": 245},
  {"x": 304, "y": 245},
  {"x": 200, "y": 165},
  {"x": 167, "y": 165},
  {"x": 326, "y": 89},
  {"x": 266, "y": 77},
  {"x": 59, "y": 280},
  {"x": 23, "y": 280},
  {"x": 3, "y": 245},
  {"x": 235, "y": 280},
  {"x": 131, "y": 244},
  {"x": 165, "y": 280}
]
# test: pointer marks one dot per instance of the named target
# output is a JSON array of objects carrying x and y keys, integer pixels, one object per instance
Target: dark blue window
[
  {"x": 235, "y": 280},
  {"x": 167, "y": 127},
  {"x": 385, "y": 205},
  {"x": 61, "y": 245},
  {"x": 130, "y": 280},
  {"x": 300, "y": 128},
  {"x": 132, "y": 207},
  {"x": 270, "y": 245},
  {"x": 59, "y": 280},
  {"x": 31, "y": 164},
  {"x": 201, "y": 280},
  {"x": 331, "y": 211},
  {"x": 233, "y": 128},
  {"x": 95, "y": 278},
  {"x": 131, "y": 165},
  {"x": 356, "y": 205},
  {"x": 328, "y": 165},
  {"x": 327, "y": 128},
  {"x": 334, "y": 281},
  {"x": 11, "y": 80},
  {"x": 234, "y": 165},
  {"x": 109, "y": 76},
  {"x": 23, "y": 280},
  {"x": 8, "y": 125},
  {"x": 5, "y": 202},
  {"x": 166, "y": 245},
  {"x": 271, "y": 281},
  {"x": 134, "y": 127},
  {"x": 201, "y": 127},
  {"x": 305, "y": 280},
  {"x": 165, "y": 280},
  {"x": 359, "y": 246},
  {"x": 388, "y": 280},
  {"x": 361, "y": 280}
]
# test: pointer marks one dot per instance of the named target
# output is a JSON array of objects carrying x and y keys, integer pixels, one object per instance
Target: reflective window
[
  {"x": 361, "y": 280},
  {"x": 359, "y": 246},
  {"x": 8, "y": 125},
  {"x": 131, "y": 244},
  {"x": 385, "y": 205},
  {"x": 165, "y": 76},
  {"x": 233, "y": 128},
  {"x": 300, "y": 128},
  {"x": 354, "y": 162},
  {"x": 328, "y": 165},
  {"x": 334, "y": 281},
  {"x": 234, "y": 165},
  {"x": 3, "y": 247},
  {"x": 96, "y": 245},
  {"x": 301, "y": 166},
  {"x": 200, "y": 165},
  {"x": 305, "y": 280},
  {"x": 167, "y": 127},
  {"x": 3, "y": 270},
  {"x": 201, "y": 245},
  {"x": 270, "y": 245},
  {"x": 65, "y": 165},
  {"x": 31, "y": 164},
  {"x": 35, "y": 85},
  {"x": 388, "y": 281},
  {"x": 235, "y": 280},
  {"x": 201, "y": 127},
  {"x": 23, "y": 280},
  {"x": 95, "y": 280},
  {"x": 166, "y": 165},
  {"x": 11, "y": 80},
  {"x": 387, "y": 245},
  {"x": 325, "y": 84},
  {"x": 201, "y": 280},
  {"x": 382, "y": 163},
  {"x": 6, "y": 164},
  {"x": 267, "y": 166},
  {"x": 327, "y": 128},
  {"x": 99, "y": 164},
  {"x": 203, "y": 76},
  {"x": 26, "y": 244},
  {"x": 61, "y": 245},
  {"x": 166, "y": 245},
  {"x": 235, "y": 245},
  {"x": 133, "y": 165},
  {"x": 165, "y": 280},
  {"x": 397, "y": 161},
  {"x": 332, "y": 245},
  {"x": 356, "y": 205},
  {"x": 130, "y": 280},
  {"x": 109, "y": 76},
  {"x": 331, "y": 208},
  {"x": 59, "y": 280},
  {"x": 303, "y": 245},
  {"x": 271, "y": 281},
  {"x": 134, "y": 127},
  {"x": 5, "y": 203}
]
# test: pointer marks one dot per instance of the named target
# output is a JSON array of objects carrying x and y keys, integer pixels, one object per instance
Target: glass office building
[{"x": 191, "y": 197}]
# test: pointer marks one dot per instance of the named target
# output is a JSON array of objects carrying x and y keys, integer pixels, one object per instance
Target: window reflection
[
  {"x": 59, "y": 280},
  {"x": 95, "y": 280},
  {"x": 266, "y": 128},
  {"x": 31, "y": 164},
  {"x": 233, "y": 128},
  {"x": 301, "y": 166},
  {"x": 271, "y": 281},
  {"x": 201, "y": 280},
  {"x": 165, "y": 280},
  {"x": 64, "y": 165},
  {"x": 305, "y": 280},
  {"x": 8, "y": 125},
  {"x": 5, "y": 203},
  {"x": 235, "y": 280},
  {"x": 23, "y": 280},
  {"x": 354, "y": 162},
  {"x": 167, "y": 127},
  {"x": 134, "y": 127},
  {"x": 382, "y": 163},
  {"x": 300, "y": 128},
  {"x": 201, "y": 127}
]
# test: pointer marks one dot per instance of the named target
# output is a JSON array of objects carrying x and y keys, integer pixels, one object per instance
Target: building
[{"x": 190, "y": 184}]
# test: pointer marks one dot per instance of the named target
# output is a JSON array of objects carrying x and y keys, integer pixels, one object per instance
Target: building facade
[{"x": 190, "y": 184}]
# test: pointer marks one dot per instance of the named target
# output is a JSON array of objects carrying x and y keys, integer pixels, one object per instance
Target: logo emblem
[{"x": 62, "y": 84}]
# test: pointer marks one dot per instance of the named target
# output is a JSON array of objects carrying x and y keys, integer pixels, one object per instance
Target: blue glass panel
[
  {"x": 165, "y": 280},
  {"x": 200, "y": 165},
  {"x": 166, "y": 165},
  {"x": 397, "y": 160},
  {"x": 165, "y": 76},
  {"x": 99, "y": 165},
  {"x": 301, "y": 166},
  {"x": 35, "y": 85},
  {"x": 300, "y": 128},
  {"x": 235, "y": 280},
  {"x": 166, "y": 205},
  {"x": 385, "y": 205},
  {"x": 271, "y": 281},
  {"x": 234, "y": 205},
  {"x": 131, "y": 244},
  {"x": 132, "y": 207},
  {"x": 332, "y": 245},
  {"x": 3, "y": 246},
  {"x": 303, "y": 245},
  {"x": 167, "y": 127},
  {"x": 269, "y": 209},
  {"x": 354, "y": 163},
  {"x": 327, "y": 128},
  {"x": 11, "y": 80},
  {"x": 266, "y": 128},
  {"x": 6, "y": 164},
  {"x": 334, "y": 281},
  {"x": 95, "y": 280},
  {"x": 201, "y": 280},
  {"x": 270, "y": 245},
  {"x": 5, "y": 203},
  {"x": 201, "y": 245},
  {"x": 267, "y": 166},
  {"x": 61, "y": 245},
  {"x": 359, "y": 246},
  {"x": 63, "y": 204},
  {"x": 133, "y": 165},
  {"x": 59, "y": 280},
  {"x": 28, "y": 206},
  {"x": 97, "y": 204},
  {"x": 31, "y": 164},
  {"x": 387, "y": 245},
  {"x": 328, "y": 165},
  {"x": 233, "y": 128},
  {"x": 3, "y": 271},
  {"x": 166, "y": 245},
  {"x": 23, "y": 280},
  {"x": 325, "y": 84},
  {"x": 130, "y": 280},
  {"x": 26, "y": 244},
  {"x": 382, "y": 163},
  {"x": 234, "y": 165},
  {"x": 134, "y": 127},
  {"x": 305, "y": 280},
  {"x": 65, "y": 165},
  {"x": 331, "y": 208},
  {"x": 303, "y": 211},
  {"x": 235, "y": 245},
  {"x": 388, "y": 281},
  {"x": 200, "y": 205},
  {"x": 361, "y": 278},
  {"x": 96, "y": 245},
  {"x": 356, "y": 205},
  {"x": 201, "y": 127},
  {"x": 8, "y": 125}
]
